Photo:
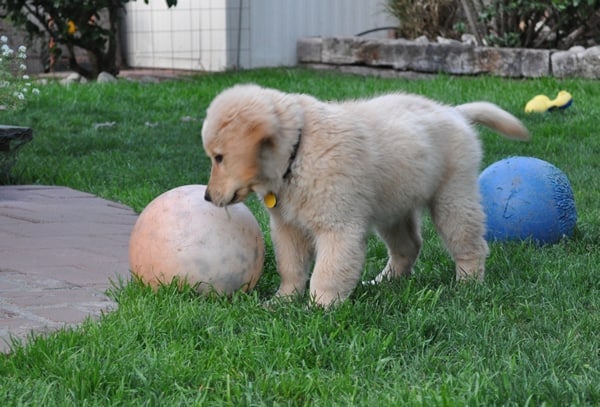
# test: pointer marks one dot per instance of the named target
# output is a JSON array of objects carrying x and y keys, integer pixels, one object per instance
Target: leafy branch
[{"x": 91, "y": 25}]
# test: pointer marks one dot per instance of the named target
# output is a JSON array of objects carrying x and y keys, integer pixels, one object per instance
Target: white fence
[{"x": 214, "y": 35}]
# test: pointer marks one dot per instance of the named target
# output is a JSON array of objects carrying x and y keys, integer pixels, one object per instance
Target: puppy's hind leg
[
  {"x": 403, "y": 240},
  {"x": 460, "y": 221}
]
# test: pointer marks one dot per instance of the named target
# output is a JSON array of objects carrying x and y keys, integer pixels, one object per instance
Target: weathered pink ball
[{"x": 180, "y": 235}]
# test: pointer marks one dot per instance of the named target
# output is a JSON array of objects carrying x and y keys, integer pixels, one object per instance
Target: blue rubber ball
[{"x": 527, "y": 198}]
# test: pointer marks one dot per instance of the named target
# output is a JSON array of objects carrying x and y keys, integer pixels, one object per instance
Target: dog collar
[
  {"x": 270, "y": 199},
  {"x": 287, "y": 172}
]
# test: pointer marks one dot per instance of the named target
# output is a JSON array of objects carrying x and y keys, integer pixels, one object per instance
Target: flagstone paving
[{"x": 60, "y": 250}]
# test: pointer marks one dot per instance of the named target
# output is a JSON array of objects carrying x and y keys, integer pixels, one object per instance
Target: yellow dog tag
[{"x": 270, "y": 200}]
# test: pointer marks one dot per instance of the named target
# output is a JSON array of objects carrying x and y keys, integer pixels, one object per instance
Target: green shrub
[
  {"x": 542, "y": 24},
  {"x": 431, "y": 18},
  {"x": 507, "y": 23}
]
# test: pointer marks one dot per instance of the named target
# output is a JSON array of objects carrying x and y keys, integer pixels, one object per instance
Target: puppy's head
[{"x": 240, "y": 134}]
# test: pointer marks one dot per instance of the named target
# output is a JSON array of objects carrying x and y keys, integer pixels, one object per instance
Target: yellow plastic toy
[{"x": 542, "y": 103}]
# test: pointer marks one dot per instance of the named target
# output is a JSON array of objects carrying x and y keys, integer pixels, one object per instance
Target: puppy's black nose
[{"x": 207, "y": 196}]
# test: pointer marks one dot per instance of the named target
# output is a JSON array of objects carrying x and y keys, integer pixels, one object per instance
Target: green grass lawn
[{"x": 528, "y": 336}]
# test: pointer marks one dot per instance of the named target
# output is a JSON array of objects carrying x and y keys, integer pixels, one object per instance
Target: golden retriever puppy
[{"x": 330, "y": 173}]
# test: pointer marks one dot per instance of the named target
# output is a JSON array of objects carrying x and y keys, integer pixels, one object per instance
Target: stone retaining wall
[{"x": 450, "y": 57}]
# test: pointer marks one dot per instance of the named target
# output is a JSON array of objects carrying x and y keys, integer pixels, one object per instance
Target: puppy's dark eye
[{"x": 219, "y": 158}]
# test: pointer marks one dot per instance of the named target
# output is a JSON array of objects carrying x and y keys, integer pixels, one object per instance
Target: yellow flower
[{"x": 71, "y": 27}]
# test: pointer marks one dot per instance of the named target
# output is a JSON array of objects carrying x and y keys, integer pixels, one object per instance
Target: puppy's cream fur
[{"x": 340, "y": 170}]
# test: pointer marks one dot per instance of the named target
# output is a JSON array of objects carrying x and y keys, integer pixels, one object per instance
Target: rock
[
  {"x": 71, "y": 78},
  {"x": 447, "y": 41},
  {"x": 309, "y": 49},
  {"x": 454, "y": 58},
  {"x": 577, "y": 49},
  {"x": 451, "y": 56},
  {"x": 513, "y": 62},
  {"x": 591, "y": 63},
  {"x": 105, "y": 77},
  {"x": 382, "y": 52},
  {"x": 468, "y": 39},
  {"x": 341, "y": 50},
  {"x": 565, "y": 63},
  {"x": 12, "y": 138},
  {"x": 535, "y": 63},
  {"x": 577, "y": 62}
]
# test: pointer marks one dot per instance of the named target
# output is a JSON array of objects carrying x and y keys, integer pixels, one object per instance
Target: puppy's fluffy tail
[{"x": 490, "y": 115}]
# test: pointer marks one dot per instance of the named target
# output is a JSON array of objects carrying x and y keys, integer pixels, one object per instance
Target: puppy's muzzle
[{"x": 219, "y": 202}]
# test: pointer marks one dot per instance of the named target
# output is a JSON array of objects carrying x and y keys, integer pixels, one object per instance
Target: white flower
[
  {"x": 7, "y": 51},
  {"x": 14, "y": 82}
]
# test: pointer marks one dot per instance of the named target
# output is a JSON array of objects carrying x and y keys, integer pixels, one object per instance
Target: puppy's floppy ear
[{"x": 261, "y": 134}]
